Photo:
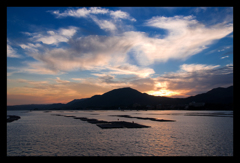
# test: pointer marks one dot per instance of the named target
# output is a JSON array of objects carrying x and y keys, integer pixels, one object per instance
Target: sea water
[{"x": 195, "y": 133}]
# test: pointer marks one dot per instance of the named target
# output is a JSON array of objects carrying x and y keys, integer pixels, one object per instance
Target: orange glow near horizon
[{"x": 162, "y": 92}]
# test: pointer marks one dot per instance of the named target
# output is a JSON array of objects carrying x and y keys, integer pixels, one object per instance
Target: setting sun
[{"x": 163, "y": 92}]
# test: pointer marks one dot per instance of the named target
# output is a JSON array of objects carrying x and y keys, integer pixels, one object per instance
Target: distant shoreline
[{"x": 131, "y": 99}]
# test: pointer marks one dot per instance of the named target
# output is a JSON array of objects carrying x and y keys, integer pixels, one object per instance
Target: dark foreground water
[{"x": 195, "y": 133}]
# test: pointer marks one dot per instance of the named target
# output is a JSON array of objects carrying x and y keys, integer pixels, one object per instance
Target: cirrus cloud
[
  {"x": 186, "y": 37},
  {"x": 81, "y": 12},
  {"x": 121, "y": 15},
  {"x": 84, "y": 12},
  {"x": 107, "y": 25},
  {"x": 11, "y": 52},
  {"x": 197, "y": 67},
  {"x": 52, "y": 36},
  {"x": 104, "y": 24}
]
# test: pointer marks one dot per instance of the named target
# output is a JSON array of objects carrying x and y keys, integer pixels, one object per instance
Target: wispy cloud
[
  {"x": 81, "y": 12},
  {"x": 121, "y": 15},
  {"x": 199, "y": 9},
  {"x": 224, "y": 57},
  {"x": 84, "y": 12},
  {"x": 127, "y": 69},
  {"x": 196, "y": 67},
  {"x": 31, "y": 47},
  {"x": 108, "y": 25},
  {"x": 51, "y": 37},
  {"x": 28, "y": 82},
  {"x": 32, "y": 68},
  {"x": 186, "y": 37},
  {"x": 220, "y": 50},
  {"x": 11, "y": 52},
  {"x": 77, "y": 79},
  {"x": 224, "y": 48},
  {"x": 104, "y": 24},
  {"x": 58, "y": 80}
]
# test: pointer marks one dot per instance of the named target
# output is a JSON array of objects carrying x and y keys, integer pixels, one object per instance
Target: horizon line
[{"x": 117, "y": 89}]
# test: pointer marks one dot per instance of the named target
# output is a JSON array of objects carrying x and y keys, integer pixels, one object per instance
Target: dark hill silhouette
[
  {"x": 217, "y": 95},
  {"x": 123, "y": 97},
  {"x": 75, "y": 101},
  {"x": 120, "y": 97}
]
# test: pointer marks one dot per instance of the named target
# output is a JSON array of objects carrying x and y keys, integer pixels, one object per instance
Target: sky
[{"x": 57, "y": 54}]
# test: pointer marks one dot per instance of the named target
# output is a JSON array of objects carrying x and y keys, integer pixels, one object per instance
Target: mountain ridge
[
  {"x": 125, "y": 97},
  {"x": 215, "y": 95}
]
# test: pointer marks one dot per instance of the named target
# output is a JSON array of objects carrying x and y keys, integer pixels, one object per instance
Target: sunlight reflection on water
[{"x": 39, "y": 133}]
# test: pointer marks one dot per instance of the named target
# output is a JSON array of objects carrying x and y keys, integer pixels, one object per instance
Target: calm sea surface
[{"x": 195, "y": 133}]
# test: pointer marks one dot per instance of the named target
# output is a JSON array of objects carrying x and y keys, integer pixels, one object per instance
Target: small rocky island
[{"x": 11, "y": 118}]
